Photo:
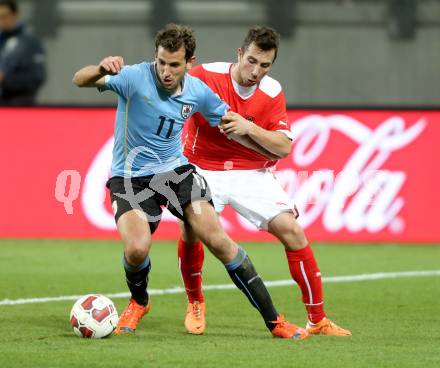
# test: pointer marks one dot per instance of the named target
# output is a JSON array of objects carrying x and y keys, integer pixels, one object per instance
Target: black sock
[
  {"x": 137, "y": 280},
  {"x": 245, "y": 277}
]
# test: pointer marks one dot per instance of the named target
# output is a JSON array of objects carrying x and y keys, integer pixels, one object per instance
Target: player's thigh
[
  {"x": 201, "y": 217},
  {"x": 189, "y": 187},
  {"x": 218, "y": 187},
  {"x": 259, "y": 197},
  {"x": 187, "y": 233},
  {"x": 193, "y": 195},
  {"x": 192, "y": 190},
  {"x": 136, "y": 218},
  {"x": 214, "y": 181},
  {"x": 194, "y": 198}
]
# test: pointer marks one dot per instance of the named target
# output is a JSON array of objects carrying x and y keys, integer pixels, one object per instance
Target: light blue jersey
[{"x": 149, "y": 121}]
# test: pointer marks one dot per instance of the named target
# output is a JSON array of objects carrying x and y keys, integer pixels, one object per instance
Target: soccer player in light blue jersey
[{"x": 149, "y": 170}]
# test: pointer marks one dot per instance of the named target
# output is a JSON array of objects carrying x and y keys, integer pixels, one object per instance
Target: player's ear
[
  {"x": 239, "y": 54},
  {"x": 190, "y": 62}
]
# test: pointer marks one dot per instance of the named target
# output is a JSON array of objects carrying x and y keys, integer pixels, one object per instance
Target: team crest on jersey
[{"x": 186, "y": 110}]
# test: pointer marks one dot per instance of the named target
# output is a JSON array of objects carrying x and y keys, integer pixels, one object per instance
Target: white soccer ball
[{"x": 93, "y": 316}]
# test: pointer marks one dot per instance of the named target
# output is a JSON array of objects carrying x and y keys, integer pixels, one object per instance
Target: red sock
[
  {"x": 306, "y": 273},
  {"x": 190, "y": 263}
]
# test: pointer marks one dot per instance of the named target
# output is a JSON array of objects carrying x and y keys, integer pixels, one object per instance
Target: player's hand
[
  {"x": 111, "y": 65},
  {"x": 234, "y": 123}
]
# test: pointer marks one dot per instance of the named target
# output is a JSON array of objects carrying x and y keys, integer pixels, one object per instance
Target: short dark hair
[
  {"x": 264, "y": 37},
  {"x": 11, "y": 4},
  {"x": 173, "y": 36}
]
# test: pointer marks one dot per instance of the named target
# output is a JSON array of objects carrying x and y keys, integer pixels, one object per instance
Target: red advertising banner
[{"x": 354, "y": 175}]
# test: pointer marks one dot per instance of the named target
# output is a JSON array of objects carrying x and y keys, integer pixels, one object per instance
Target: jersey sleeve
[
  {"x": 278, "y": 116},
  {"x": 120, "y": 83},
  {"x": 212, "y": 108},
  {"x": 198, "y": 72}
]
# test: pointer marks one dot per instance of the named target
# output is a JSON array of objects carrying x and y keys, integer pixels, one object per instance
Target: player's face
[
  {"x": 8, "y": 20},
  {"x": 253, "y": 64},
  {"x": 171, "y": 67}
]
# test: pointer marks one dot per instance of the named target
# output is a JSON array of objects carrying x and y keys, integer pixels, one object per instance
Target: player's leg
[
  {"x": 135, "y": 231},
  {"x": 191, "y": 255},
  {"x": 202, "y": 218},
  {"x": 263, "y": 202},
  {"x": 302, "y": 263},
  {"x": 135, "y": 234},
  {"x": 305, "y": 271}
]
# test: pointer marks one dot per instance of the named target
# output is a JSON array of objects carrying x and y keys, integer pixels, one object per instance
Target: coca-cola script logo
[
  {"x": 373, "y": 191},
  {"x": 360, "y": 196}
]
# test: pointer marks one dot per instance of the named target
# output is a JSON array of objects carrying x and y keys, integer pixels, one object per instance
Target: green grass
[{"x": 394, "y": 322}]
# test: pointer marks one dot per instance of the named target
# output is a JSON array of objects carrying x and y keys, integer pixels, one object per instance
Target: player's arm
[
  {"x": 247, "y": 142},
  {"x": 93, "y": 75},
  {"x": 277, "y": 143}
]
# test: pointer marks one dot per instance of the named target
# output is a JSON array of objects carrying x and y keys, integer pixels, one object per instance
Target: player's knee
[
  {"x": 295, "y": 230},
  {"x": 136, "y": 256},
  {"x": 136, "y": 250},
  {"x": 290, "y": 233}
]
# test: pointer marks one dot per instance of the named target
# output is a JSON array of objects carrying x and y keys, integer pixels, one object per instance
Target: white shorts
[{"x": 254, "y": 194}]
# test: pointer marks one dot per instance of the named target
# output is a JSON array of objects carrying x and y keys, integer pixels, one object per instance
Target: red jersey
[{"x": 209, "y": 149}]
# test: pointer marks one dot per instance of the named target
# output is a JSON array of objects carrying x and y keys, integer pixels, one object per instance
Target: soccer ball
[{"x": 93, "y": 316}]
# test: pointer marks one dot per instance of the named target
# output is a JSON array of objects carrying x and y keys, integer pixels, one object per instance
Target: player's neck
[
  {"x": 178, "y": 90},
  {"x": 235, "y": 75}
]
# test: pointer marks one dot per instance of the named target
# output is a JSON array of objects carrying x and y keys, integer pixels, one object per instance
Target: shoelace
[
  {"x": 197, "y": 310},
  {"x": 280, "y": 321},
  {"x": 330, "y": 325},
  {"x": 129, "y": 313}
]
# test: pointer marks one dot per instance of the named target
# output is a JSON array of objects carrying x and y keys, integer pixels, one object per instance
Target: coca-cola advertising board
[{"x": 354, "y": 175}]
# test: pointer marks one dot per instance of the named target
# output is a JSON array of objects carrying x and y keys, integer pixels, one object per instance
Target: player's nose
[{"x": 166, "y": 71}]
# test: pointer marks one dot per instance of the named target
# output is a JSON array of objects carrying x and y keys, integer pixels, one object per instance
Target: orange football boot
[
  {"x": 285, "y": 330},
  {"x": 130, "y": 317},
  {"x": 195, "y": 322},
  {"x": 326, "y": 327}
]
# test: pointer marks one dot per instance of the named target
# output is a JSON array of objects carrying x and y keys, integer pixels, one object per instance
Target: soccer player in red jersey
[{"x": 242, "y": 176}]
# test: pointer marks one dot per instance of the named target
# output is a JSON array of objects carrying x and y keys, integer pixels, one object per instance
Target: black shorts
[{"x": 173, "y": 189}]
